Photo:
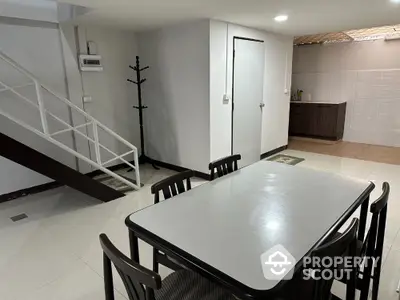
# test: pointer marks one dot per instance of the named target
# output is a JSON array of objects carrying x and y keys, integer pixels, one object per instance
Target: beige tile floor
[
  {"x": 55, "y": 253},
  {"x": 383, "y": 154}
]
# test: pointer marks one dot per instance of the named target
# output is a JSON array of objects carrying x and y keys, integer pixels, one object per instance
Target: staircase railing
[{"x": 90, "y": 121}]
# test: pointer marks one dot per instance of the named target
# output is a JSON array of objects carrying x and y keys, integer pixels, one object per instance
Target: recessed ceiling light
[
  {"x": 281, "y": 18},
  {"x": 395, "y": 1}
]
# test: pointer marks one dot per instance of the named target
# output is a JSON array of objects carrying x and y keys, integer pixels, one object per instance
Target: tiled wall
[{"x": 366, "y": 75}]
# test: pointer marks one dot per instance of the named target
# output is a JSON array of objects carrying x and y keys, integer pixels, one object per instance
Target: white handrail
[
  {"x": 41, "y": 108},
  {"x": 66, "y": 148},
  {"x": 117, "y": 157},
  {"x": 49, "y": 136},
  {"x": 69, "y": 129},
  {"x": 17, "y": 87}
]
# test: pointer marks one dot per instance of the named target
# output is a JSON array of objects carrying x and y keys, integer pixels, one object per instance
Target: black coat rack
[{"x": 143, "y": 158}]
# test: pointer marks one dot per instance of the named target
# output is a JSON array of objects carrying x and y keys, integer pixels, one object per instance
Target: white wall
[
  {"x": 113, "y": 96},
  {"x": 189, "y": 73},
  {"x": 278, "y": 69},
  {"x": 366, "y": 75},
  {"x": 40, "y": 10},
  {"x": 177, "y": 93},
  {"x": 51, "y": 55},
  {"x": 75, "y": 89},
  {"x": 38, "y": 49},
  {"x": 14, "y": 177}
]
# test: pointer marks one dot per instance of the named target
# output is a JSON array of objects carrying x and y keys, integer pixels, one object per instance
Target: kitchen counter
[{"x": 321, "y": 120}]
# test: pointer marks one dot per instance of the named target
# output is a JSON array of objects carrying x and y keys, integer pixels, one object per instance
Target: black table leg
[
  {"x": 155, "y": 260},
  {"x": 134, "y": 246},
  {"x": 363, "y": 219}
]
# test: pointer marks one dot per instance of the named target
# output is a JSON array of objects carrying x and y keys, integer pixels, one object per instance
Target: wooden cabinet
[{"x": 319, "y": 120}]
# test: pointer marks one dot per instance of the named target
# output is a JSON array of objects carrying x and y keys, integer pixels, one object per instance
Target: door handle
[{"x": 262, "y": 105}]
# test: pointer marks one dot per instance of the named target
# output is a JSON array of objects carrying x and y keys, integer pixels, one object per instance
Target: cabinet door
[
  {"x": 298, "y": 119},
  {"x": 325, "y": 117}
]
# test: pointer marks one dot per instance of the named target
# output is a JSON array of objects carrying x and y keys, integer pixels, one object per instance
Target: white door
[{"x": 247, "y": 100}]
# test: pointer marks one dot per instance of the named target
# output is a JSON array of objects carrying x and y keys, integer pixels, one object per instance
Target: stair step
[{"x": 115, "y": 183}]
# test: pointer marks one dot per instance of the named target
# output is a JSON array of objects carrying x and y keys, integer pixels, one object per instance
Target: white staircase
[{"x": 39, "y": 106}]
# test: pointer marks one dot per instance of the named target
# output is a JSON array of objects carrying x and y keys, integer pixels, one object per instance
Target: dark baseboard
[
  {"x": 202, "y": 175},
  {"x": 318, "y": 137},
  {"x": 30, "y": 191},
  {"x": 181, "y": 169},
  {"x": 274, "y": 151},
  {"x": 54, "y": 184},
  {"x": 156, "y": 162}
]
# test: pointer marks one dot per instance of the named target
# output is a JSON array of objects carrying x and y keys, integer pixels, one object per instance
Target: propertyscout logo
[{"x": 278, "y": 264}]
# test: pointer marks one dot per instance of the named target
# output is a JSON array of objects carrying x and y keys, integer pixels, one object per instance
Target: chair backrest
[
  {"x": 373, "y": 245},
  {"x": 172, "y": 185},
  {"x": 139, "y": 282},
  {"x": 224, "y": 166},
  {"x": 345, "y": 243}
]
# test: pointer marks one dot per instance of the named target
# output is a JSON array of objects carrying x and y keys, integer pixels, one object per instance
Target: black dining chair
[
  {"x": 373, "y": 246},
  {"x": 320, "y": 289},
  {"x": 144, "y": 284},
  {"x": 172, "y": 185},
  {"x": 224, "y": 166}
]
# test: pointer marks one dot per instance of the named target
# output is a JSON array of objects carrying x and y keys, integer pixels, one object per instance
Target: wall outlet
[
  {"x": 87, "y": 99},
  {"x": 226, "y": 99}
]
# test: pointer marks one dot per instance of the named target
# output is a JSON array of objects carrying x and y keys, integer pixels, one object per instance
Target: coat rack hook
[
  {"x": 133, "y": 67},
  {"x": 132, "y": 81}
]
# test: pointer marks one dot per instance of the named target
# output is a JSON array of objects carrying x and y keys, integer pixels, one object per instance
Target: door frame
[{"x": 233, "y": 81}]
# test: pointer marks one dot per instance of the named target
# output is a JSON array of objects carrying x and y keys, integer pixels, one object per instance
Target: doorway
[{"x": 247, "y": 98}]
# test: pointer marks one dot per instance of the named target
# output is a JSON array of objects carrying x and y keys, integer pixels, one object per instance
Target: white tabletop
[{"x": 230, "y": 222}]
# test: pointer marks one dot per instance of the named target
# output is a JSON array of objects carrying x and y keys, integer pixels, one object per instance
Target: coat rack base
[{"x": 143, "y": 159}]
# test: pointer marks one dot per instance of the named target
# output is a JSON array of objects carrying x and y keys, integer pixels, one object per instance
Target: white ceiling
[{"x": 305, "y": 16}]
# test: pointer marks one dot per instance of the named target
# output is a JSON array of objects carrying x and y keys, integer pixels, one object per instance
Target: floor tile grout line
[
  {"x": 101, "y": 276},
  {"x": 44, "y": 285},
  {"x": 390, "y": 248}
]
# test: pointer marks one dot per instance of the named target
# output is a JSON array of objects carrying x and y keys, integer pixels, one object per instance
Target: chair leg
[
  {"x": 379, "y": 253},
  {"x": 364, "y": 292},
  {"x": 375, "y": 289},
  {"x": 108, "y": 279},
  {"x": 351, "y": 283},
  {"x": 376, "y": 280}
]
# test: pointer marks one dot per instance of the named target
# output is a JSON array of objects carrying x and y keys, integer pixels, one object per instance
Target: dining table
[{"x": 222, "y": 228}]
